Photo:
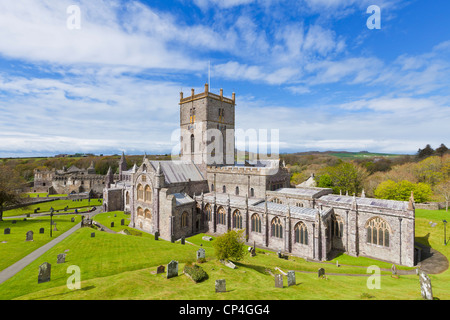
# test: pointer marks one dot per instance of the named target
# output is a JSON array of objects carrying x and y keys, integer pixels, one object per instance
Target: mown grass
[
  {"x": 115, "y": 266},
  {"x": 43, "y": 195},
  {"x": 56, "y": 205},
  {"x": 16, "y": 247}
]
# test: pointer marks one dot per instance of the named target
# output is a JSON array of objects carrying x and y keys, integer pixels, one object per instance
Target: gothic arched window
[
  {"x": 237, "y": 220},
  {"x": 256, "y": 223},
  {"x": 301, "y": 233},
  {"x": 148, "y": 194},
  {"x": 378, "y": 231},
  {"x": 277, "y": 228},
  {"x": 221, "y": 216}
]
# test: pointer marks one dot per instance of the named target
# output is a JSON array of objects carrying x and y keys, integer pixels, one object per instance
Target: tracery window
[
  {"x": 256, "y": 223},
  {"x": 140, "y": 211},
  {"x": 378, "y": 231},
  {"x": 147, "y": 214},
  {"x": 301, "y": 233},
  {"x": 276, "y": 200},
  {"x": 277, "y": 228},
  {"x": 208, "y": 211},
  {"x": 221, "y": 216},
  {"x": 237, "y": 219},
  {"x": 140, "y": 192},
  {"x": 148, "y": 194},
  {"x": 337, "y": 226}
]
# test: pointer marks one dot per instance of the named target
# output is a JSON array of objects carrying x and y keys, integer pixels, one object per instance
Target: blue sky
[{"x": 308, "y": 68}]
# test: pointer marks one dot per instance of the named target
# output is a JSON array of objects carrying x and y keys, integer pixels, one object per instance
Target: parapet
[{"x": 205, "y": 94}]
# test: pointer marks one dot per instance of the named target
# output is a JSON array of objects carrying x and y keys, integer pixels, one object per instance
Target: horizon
[{"x": 105, "y": 78}]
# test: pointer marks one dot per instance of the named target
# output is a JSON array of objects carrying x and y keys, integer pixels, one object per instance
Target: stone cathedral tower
[{"x": 207, "y": 123}]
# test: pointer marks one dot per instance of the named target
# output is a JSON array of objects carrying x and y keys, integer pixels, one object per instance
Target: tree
[
  {"x": 426, "y": 152},
  {"x": 441, "y": 150},
  {"x": 444, "y": 190},
  {"x": 345, "y": 177},
  {"x": 230, "y": 245},
  {"x": 401, "y": 191},
  {"x": 10, "y": 188},
  {"x": 429, "y": 170}
]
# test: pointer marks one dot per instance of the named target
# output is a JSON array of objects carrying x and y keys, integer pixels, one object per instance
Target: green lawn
[
  {"x": 16, "y": 247},
  {"x": 56, "y": 204},
  {"x": 43, "y": 195},
  {"x": 115, "y": 266}
]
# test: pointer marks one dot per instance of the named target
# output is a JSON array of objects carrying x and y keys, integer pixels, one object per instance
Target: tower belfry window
[{"x": 192, "y": 115}]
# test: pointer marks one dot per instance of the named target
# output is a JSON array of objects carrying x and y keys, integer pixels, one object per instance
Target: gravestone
[
  {"x": 122, "y": 222},
  {"x": 44, "y": 272},
  {"x": 112, "y": 224},
  {"x": 41, "y": 230},
  {"x": 156, "y": 235},
  {"x": 221, "y": 285},
  {"x": 201, "y": 253},
  {"x": 7, "y": 231},
  {"x": 160, "y": 269},
  {"x": 206, "y": 238},
  {"x": 72, "y": 220},
  {"x": 291, "y": 278},
  {"x": 425, "y": 286},
  {"x": 54, "y": 229},
  {"x": 14, "y": 222},
  {"x": 61, "y": 258},
  {"x": 182, "y": 240},
  {"x": 278, "y": 281},
  {"x": 394, "y": 270},
  {"x": 172, "y": 269},
  {"x": 321, "y": 272},
  {"x": 93, "y": 235},
  {"x": 29, "y": 236},
  {"x": 434, "y": 225},
  {"x": 228, "y": 263}
]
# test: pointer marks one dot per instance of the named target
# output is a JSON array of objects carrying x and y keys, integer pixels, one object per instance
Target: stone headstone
[
  {"x": 115, "y": 215},
  {"x": 14, "y": 222},
  {"x": 7, "y": 231},
  {"x": 182, "y": 240},
  {"x": 321, "y": 272},
  {"x": 29, "y": 236},
  {"x": 434, "y": 225},
  {"x": 61, "y": 258},
  {"x": 221, "y": 285},
  {"x": 72, "y": 220},
  {"x": 206, "y": 238},
  {"x": 394, "y": 270},
  {"x": 122, "y": 222},
  {"x": 156, "y": 235},
  {"x": 112, "y": 224},
  {"x": 291, "y": 278},
  {"x": 54, "y": 229},
  {"x": 41, "y": 230},
  {"x": 93, "y": 235},
  {"x": 425, "y": 286},
  {"x": 228, "y": 263},
  {"x": 160, "y": 269},
  {"x": 278, "y": 281},
  {"x": 201, "y": 253},
  {"x": 44, "y": 272},
  {"x": 172, "y": 269}
]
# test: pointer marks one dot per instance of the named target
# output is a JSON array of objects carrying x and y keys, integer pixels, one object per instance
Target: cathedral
[{"x": 207, "y": 190}]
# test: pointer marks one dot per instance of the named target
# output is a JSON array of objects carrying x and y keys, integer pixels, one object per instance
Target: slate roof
[
  {"x": 182, "y": 199},
  {"x": 307, "y": 192},
  {"x": 178, "y": 171},
  {"x": 371, "y": 202},
  {"x": 283, "y": 208}
]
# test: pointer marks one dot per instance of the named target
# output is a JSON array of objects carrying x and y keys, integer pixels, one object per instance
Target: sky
[{"x": 105, "y": 77}]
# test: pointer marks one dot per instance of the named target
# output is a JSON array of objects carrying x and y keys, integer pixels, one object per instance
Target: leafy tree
[
  {"x": 230, "y": 245},
  {"x": 443, "y": 189},
  {"x": 345, "y": 177},
  {"x": 426, "y": 152},
  {"x": 401, "y": 191},
  {"x": 10, "y": 188},
  {"x": 324, "y": 181},
  {"x": 429, "y": 170},
  {"x": 441, "y": 150}
]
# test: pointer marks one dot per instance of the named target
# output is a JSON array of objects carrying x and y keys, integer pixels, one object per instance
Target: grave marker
[
  {"x": 321, "y": 272},
  {"x": 221, "y": 285},
  {"x": 7, "y": 231},
  {"x": 44, "y": 272},
  {"x": 172, "y": 269},
  {"x": 61, "y": 258},
  {"x": 425, "y": 286},
  {"x": 278, "y": 281},
  {"x": 291, "y": 278},
  {"x": 29, "y": 236}
]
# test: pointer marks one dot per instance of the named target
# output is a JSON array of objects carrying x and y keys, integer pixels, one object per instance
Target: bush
[
  {"x": 195, "y": 272},
  {"x": 230, "y": 245},
  {"x": 402, "y": 191}
]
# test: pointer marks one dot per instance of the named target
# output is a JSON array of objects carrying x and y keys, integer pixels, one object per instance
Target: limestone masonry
[{"x": 207, "y": 191}]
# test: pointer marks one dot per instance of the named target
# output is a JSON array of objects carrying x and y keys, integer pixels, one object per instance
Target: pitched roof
[{"x": 178, "y": 171}]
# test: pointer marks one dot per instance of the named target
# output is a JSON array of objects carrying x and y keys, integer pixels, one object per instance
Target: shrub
[
  {"x": 230, "y": 245},
  {"x": 195, "y": 272}
]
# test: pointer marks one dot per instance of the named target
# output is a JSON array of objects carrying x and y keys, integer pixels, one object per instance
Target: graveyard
[{"x": 134, "y": 265}]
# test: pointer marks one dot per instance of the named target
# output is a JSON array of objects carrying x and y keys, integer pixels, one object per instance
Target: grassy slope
[{"x": 115, "y": 266}]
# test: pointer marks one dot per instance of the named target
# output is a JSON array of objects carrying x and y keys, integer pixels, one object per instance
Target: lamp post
[
  {"x": 445, "y": 231},
  {"x": 51, "y": 222}
]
